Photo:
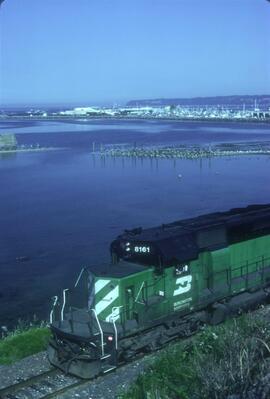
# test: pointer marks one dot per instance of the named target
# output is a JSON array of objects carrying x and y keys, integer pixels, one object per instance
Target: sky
[{"x": 93, "y": 52}]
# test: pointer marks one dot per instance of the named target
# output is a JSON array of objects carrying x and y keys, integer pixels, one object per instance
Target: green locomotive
[{"x": 162, "y": 283}]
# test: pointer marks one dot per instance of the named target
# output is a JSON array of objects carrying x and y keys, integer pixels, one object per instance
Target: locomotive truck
[{"x": 162, "y": 283}]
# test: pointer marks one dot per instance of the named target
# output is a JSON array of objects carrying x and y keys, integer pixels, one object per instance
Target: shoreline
[
  {"x": 133, "y": 118},
  {"x": 29, "y": 150}
]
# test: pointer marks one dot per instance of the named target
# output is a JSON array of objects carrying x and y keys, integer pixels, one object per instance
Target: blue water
[{"x": 62, "y": 208}]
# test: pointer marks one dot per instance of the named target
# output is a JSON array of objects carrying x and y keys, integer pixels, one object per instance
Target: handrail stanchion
[
  {"x": 55, "y": 299},
  {"x": 64, "y": 303},
  {"x": 79, "y": 277},
  {"x": 116, "y": 334},
  {"x": 100, "y": 330}
]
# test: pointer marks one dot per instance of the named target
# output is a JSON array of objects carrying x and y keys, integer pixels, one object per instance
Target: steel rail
[{"x": 11, "y": 389}]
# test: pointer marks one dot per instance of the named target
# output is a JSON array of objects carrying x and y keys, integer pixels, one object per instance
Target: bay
[{"x": 59, "y": 210}]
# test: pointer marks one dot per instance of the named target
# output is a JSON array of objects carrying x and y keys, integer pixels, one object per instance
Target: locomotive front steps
[
  {"x": 109, "y": 367},
  {"x": 107, "y": 363}
]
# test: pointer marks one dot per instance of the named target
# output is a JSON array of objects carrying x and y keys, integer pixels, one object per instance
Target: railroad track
[{"x": 47, "y": 385}]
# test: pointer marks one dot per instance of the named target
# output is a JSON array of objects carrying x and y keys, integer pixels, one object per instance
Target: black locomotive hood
[{"x": 183, "y": 240}]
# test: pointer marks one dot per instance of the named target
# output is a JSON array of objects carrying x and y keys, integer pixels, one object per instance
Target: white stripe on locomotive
[
  {"x": 101, "y": 284},
  {"x": 107, "y": 300}
]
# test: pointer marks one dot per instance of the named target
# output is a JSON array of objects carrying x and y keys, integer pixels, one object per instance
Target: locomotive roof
[
  {"x": 184, "y": 239},
  {"x": 236, "y": 216}
]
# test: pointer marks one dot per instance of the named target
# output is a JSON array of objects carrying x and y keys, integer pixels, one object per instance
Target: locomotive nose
[{"x": 77, "y": 345}]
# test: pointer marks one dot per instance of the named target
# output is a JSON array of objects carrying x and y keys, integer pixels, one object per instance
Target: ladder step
[
  {"x": 105, "y": 356},
  {"x": 110, "y": 368}
]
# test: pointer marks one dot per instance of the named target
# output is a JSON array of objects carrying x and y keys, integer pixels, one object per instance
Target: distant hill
[{"x": 262, "y": 101}]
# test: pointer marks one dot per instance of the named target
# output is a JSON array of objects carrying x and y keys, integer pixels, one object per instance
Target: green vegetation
[
  {"x": 220, "y": 361},
  {"x": 22, "y": 343}
]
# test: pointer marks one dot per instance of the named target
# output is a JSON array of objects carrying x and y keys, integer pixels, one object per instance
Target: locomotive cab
[{"x": 93, "y": 338}]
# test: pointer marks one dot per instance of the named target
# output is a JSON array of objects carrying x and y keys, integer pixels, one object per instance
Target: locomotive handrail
[
  {"x": 100, "y": 330},
  {"x": 64, "y": 303},
  {"x": 116, "y": 334},
  {"x": 79, "y": 277},
  {"x": 155, "y": 283},
  {"x": 55, "y": 298},
  {"x": 245, "y": 272},
  {"x": 246, "y": 265},
  {"x": 256, "y": 260},
  {"x": 139, "y": 292}
]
